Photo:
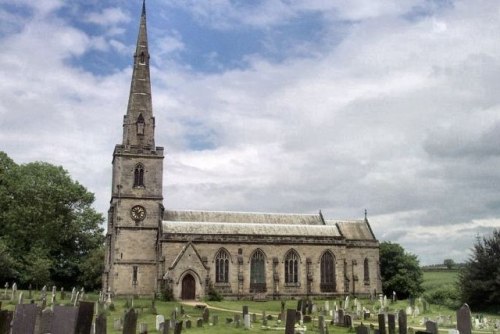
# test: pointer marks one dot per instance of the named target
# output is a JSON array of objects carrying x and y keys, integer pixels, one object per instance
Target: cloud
[{"x": 108, "y": 17}]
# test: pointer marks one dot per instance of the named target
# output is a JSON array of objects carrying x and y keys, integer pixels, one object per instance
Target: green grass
[{"x": 434, "y": 278}]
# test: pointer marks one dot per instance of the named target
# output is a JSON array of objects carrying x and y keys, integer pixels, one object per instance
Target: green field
[{"x": 437, "y": 278}]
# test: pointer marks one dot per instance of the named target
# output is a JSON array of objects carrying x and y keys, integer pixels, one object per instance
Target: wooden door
[{"x": 188, "y": 287}]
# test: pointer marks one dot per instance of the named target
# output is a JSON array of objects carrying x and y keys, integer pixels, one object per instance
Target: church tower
[{"x": 136, "y": 209}]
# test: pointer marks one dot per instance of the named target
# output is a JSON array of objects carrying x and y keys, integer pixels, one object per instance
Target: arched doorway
[{"x": 188, "y": 287}]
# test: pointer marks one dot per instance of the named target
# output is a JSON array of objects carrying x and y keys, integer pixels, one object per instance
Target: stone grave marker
[
  {"x": 100, "y": 324},
  {"x": 206, "y": 315},
  {"x": 63, "y": 294},
  {"x": 431, "y": 327},
  {"x": 20, "y": 300},
  {"x": 30, "y": 292},
  {"x": 215, "y": 320},
  {"x": 391, "y": 323},
  {"x": 341, "y": 317},
  {"x": 246, "y": 321},
  {"x": 188, "y": 324},
  {"x": 143, "y": 328},
  {"x": 5, "y": 320},
  {"x": 381, "y": 323},
  {"x": 362, "y": 329},
  {"x": 253, "y": 317},
  {"x": 309, "y": 306},
  {"x": 290, "y": 321},
  {"x": 84, "y": 319},
  {"x": 464, "y": 323},
  {"x": 46, "y": 320},
  {"x": 117, "y": 324},
  {"x": 236, "y": 319},
  {"x": 307, "y": 319},
  {"x": 299, "y": 304},
  {"x": 321, "y": 324},
  {"x": 199, "y": 323},
  {"x": 159, "y": 320},
  {"x": 130, "y": 322},
  {"x": 24, "y": 319},
  {"x": 178, "y": 327},
  {"x": 244, "y": 310},
  {"x": 402, "y": 322},
  {"x": 348, "y": 321},
  {"x": 304, "y": 308},
  {"x": 65, "y": 318}
]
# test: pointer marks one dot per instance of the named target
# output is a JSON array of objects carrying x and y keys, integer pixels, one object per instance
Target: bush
[
  {"x": 166, "y": 292},
  {"x": 213, "y": 295},
  {"x": 445, "y": 295}
]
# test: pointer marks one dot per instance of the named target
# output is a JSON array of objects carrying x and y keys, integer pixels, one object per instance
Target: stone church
[{"x": 238, "y": 254}]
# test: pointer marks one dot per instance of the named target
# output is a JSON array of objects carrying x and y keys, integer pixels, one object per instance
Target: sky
[{"x": 392, "y": 106}]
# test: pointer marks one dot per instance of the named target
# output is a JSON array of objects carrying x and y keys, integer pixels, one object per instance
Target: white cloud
[{"x": 108, "y": 17}]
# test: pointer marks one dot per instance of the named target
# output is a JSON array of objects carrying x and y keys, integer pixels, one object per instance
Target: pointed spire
[{"x": 138, "y": 123}]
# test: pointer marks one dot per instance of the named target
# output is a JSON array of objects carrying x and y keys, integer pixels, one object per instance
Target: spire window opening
[
  {"x": 140, "y": 125},
  {"x": 142, "y": 58},
  {"x": 139, "y": 176}
]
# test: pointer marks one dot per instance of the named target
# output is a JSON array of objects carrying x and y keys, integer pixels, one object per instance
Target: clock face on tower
[{"x": 138, "y": 213}]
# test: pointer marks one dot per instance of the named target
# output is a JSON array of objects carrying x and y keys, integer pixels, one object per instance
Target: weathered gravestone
[
  {"x": 46, "y": 320},
  {"x": 253, "y": 317},
  {"x": 464, "y": 323},
  {"x": 244, "y": 311},
  {"x": 299, "y": 304},
  {"x": 290, "y": 321},
  {"x": 100, "y": 324},
  {"x": 307, "y": 319},
  {"x": 130, "y": 322},
  {"x": 199, "y": 323},
  {"x": 143, "y": 328},
  {"x": 348, "y": 320},
  {"x": 237, "y": 320},
  {"x": 178, "y": 327},
  {"x": 188, "y": 324},
  {"x": 24, "y": 319},
  {"x": 340, "y": 315},
  {"x": 362, "y": 329},
  {"x": 206, "y": 315},
  {"x": 321, "y": 324},
  {"x": 215, "y": 320},
  {"x": 84, "y": 319},
  {"x": 402, "y": 322},
  {"x": 5, "y": 320},
  {"x": 391, "y": 323},
  {"x": 246, "y": 321},
  {"x": 159, "y": 320},
  {"x": 381, "y": 323},
  {"x": 309, "y": 306},
  {"x": 65, "y": 318},
  {"x": 431, "y": 327}
]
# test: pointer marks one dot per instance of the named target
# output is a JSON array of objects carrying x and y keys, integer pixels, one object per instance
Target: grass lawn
[{"x": 434, "y": 278}]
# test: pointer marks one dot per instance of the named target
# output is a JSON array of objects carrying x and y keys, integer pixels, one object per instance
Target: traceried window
[
  {"x": 291, "y": 267},
  {"x": 327, "y": 283},
  {"x": 222, "y": 267},
  {"x": 139, "y": 175},
  {"x": 366, "y": 270},
  {"x": 258, "y": 272}
]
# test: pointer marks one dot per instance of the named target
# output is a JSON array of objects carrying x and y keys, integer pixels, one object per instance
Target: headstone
[
  {"x": 30, "y": 293},
  {"x": 84, "y": 319},
  {"x": 130, "y": 322},
  {"x": 381, "y": 323},
  {"x": 362, "y": 329},
  {"x": 244, "y": 310},
  {"x": 100, "y": 324},
  {"x": 20, "y": 300},
  {"x": 246, "y": 321},
  {"x": 391, "y": 323},
  {"x": 46, "y": 320},
  {"x": 159, "y": 320},
  {"x": 24, "y": 319},
  {"x": 73, "y": 294},
  {"x": 290, "y": 321},
  {"x": 44, "y": 292},
  {"x": 327, "y": 305},
  {"x": 310, "y": 306},
  {"x": 304, "y": 307},
  {"x": 341, "y": 317},
  {"x": 299, "y": 304},
  {"x": 65, "y": 318},
  {"x": 143, "y": 328},
  {"x": 178, "y": 327},
  {"x": 14, "y": 292},
  {"x": 199, "y": 323},
  {"x": 5, "y": 320},
  {"x": 402, "y": 322},
  {"x": 346, "y": 303},
  {"x": 307, "y": 319},
  {"x": 348, "y": 321},
  {"x": 431, "y": 327},
  {"x": 63, "y": 294},
  {"x": 321, "y": 324},
  {"x": 206, "y": 315},
  {"x": 464, "y": 323},
  {"x": 188, "y": 324},
  {"x": 253, "y": 317},
  {"x": 215, "y": 320}
]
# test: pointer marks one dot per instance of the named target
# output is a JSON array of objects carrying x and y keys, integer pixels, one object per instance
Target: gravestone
[
  {"x": 5, "y": 320},
  {"x": 130, "y": 322},
  {"x": 290, "y": 321},
  {"x": 348, "y": 321},
  {"x": 178, "y": 327},
  {"x": 307, "y": 319},
  {"x": 159, "y": 320},
  {"x": 30, "y": 292},
  {"x": 391, "y": 323},
  {"x": 100, "y": 324},
  {"x": 244, "y": 311},
  {"x": 46, "y": 320},
  {"x": 215, "y": 320},
  {"x": 299, "y": 304},
  {"x": 402, "y": 322},
  {"x": 20, "y": 300},
  {"x": 236, "y": 318},
  {"x": 246, "y": 321},
  {"x": 63, "y": 294},
  {"x": 206, "y": 315},
  {"x": 143, "y": 328},
  {"x": 431, "y": 327},
  {"x": 340, "y": 317},
  {"x": 188, "y": 324},
  {"x": 321, "y": 324},
  {"x": 84, "y": 319},
  {"x": 24, "y": 319},
  {"x": 362, "y": 329},
  {"x": 304, "y": 307},
  {"x": 464, "y": 323},
  {"x": 199, "y": 323},
  {"x": 65, "y": 318},
  {"x": 381, "y": 323},
  {"x": 309, "y": 306}
]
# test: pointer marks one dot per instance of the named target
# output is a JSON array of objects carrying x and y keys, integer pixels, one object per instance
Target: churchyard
[{"x": 52, "y": 310}]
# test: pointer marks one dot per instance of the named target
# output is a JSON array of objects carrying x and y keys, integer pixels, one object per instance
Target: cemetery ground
[{"x": 226, "y": 313}]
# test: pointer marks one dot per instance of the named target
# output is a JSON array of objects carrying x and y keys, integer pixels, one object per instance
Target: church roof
[
  {"x": 225, "y": 228},
  {"x": 243, "y": 217},
  {"x": 353, "y": 229}
]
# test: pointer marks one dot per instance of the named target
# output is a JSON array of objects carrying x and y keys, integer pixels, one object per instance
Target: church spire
[{"x": 138, "y": 123}]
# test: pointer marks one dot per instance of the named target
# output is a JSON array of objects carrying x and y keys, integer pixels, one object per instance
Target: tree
[
  {"x": 47, "y": 222},
  {"x": 479, "y": 279},
  {"x": 400, "y": 271},
  {"x": 449, "y": 263}
]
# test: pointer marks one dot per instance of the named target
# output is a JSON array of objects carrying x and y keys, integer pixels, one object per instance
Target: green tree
[
  {"x": 479, "y": 278},
  {"x": 91, "y": 270},
  {"x": 400, "y": 271},
  {"x": 48, "y": 222},
  {"x": 449, "y": 263}
]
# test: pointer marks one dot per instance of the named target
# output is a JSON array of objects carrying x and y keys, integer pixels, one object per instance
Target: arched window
[
  {"x": 327, "y": 283},
  {"x": 291, "y": 267},
  {"x": 258, "y": 272},
  {"x": 222, "y": 267},
  {"x": 366, "y": 270},
  {"x": 140, "y": 125},
  {"x": 139, "y": 175},
  {"x": 142, "y": 58}
]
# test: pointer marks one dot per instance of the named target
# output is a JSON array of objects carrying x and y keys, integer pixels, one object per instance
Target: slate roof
[{"x": 354, "y": 229}]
